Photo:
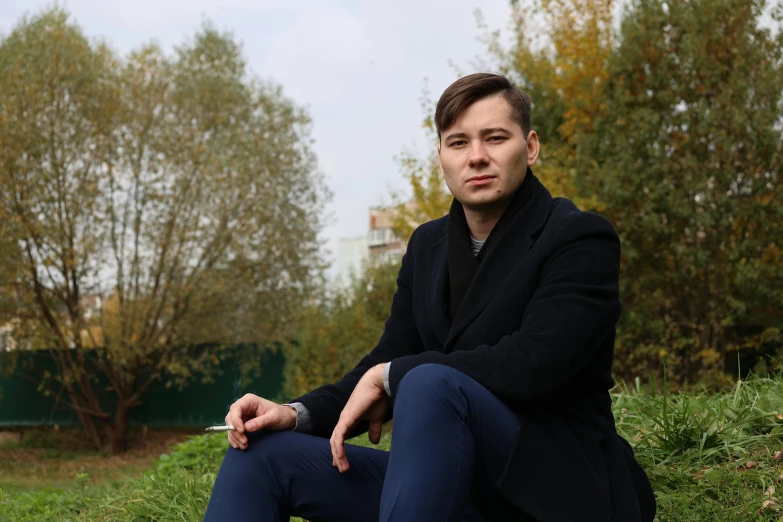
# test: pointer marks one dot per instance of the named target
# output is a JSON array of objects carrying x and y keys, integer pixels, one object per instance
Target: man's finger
[
  {"x": 228, "y": 435},
  {"x": 237, "y": 439},
  {"x": 374, "y": 432},
  {"x": 237, "y": 435},
  {"x": 235, "y": 417},
  {"x": 231, "y": 435},
  {"x": 332, "y": 448},
  {"x": 338, "y": 448},
  {"x": 256, "y": 424}
]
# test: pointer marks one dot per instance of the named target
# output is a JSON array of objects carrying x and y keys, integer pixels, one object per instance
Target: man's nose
[{"x": 478, "y": 155}]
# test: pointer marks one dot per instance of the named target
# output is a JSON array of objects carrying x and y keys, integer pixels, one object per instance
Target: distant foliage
[
  {"x": 338, "y": 332},
  {"x": 429, "y": 198},
  {"x": 692, "y": 151}
]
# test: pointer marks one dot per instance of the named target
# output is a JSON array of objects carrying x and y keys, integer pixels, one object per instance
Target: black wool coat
[{"x": 537, "y": 328}]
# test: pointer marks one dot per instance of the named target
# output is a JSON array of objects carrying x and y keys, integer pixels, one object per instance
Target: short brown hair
[{"x": 469, "y": 89}]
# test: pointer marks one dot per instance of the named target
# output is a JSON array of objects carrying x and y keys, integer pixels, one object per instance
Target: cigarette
[{"x": 220, "y": 428}]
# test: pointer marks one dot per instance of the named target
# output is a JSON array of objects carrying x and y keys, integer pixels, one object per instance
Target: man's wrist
[
  {"x": 293, "y": 414},
  {"x": 302, "y": 422},
  {"x": 386, "y": 384}
]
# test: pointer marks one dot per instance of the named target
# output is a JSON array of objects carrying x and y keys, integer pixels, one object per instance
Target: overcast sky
[{"x": 358, "y": 66}]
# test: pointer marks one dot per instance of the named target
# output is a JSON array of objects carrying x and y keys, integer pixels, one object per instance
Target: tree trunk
[
  {"x": 119, "y": 432},
  {"x": 91, "y": 429},
  {"x": 89, "y": 423}
]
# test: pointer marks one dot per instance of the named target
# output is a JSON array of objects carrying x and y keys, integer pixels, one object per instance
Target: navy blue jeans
[{"x": 451, "y": 441}]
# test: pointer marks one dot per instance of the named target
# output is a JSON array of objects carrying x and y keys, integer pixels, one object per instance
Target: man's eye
[
  {"x": 457, "y": 143},
  {"x": 497, "y": 139}
]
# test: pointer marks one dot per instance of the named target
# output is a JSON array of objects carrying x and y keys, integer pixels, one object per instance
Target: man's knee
[
  {"x": 253, "y": 478},
  {"x": 264, "y": 449},
  {"x": 430, "y": 384}
]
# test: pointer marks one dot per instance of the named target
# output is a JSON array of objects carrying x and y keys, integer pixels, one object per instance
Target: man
[{"x": 495, "y": 363}]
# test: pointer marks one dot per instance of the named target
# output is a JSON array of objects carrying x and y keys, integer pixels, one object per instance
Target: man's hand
[
  {"x": 367, "y": 402},
  {"x": 252, "y": 413}
]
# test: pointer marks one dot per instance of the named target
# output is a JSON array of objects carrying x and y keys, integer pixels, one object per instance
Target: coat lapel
[
  {"x": 503, "y": 255},
  {"x": 437, "y": 291}
]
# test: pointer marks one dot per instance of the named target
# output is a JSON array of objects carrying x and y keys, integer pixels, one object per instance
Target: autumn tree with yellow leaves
[
  {"x": 559, "y": 55},
  {"x": 429, "y": 197}
]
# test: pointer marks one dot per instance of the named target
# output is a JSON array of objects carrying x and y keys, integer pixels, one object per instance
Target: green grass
[
  {"x": 33, "y": 459},
  {"x": 711, "y": 457}
]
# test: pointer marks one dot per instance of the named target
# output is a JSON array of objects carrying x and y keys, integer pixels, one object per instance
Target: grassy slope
[
  {"x": 36, "y": 458},
  {"x": 711, "y": 458}
]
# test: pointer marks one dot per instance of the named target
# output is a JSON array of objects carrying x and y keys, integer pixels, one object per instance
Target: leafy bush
[{"x": 336, "y": 335}]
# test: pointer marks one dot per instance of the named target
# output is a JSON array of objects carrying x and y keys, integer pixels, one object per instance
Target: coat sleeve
[
  {"x": 576, "y": 301},
  {"x": 400, "y": 338}
]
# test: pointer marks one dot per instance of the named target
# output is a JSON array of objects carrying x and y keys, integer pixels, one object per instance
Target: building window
[{"x": 380, "y": 236}]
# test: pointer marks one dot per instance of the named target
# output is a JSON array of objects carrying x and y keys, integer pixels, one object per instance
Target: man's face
[{"x": 484, "y": 154}]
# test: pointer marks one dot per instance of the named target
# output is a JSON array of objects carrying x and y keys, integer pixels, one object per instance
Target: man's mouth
[{"x": 480, "y": 180}]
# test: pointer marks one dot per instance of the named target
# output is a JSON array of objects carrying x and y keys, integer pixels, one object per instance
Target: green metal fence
[{"x": 199, "y": 404}]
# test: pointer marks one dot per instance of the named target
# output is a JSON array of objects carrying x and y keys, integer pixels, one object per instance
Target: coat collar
[{"x": 500, "y": 259}]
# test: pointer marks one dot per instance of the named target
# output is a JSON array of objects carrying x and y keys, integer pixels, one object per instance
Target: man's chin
[{"x": 484, "y": 203}]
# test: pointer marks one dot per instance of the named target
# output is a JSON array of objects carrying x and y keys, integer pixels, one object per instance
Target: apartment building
[{"x": 378, "y": 244}]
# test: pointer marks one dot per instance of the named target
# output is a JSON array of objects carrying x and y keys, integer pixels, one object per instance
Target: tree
[
  {"x": 559, "y": 56},
  {"x": 338, "y": 332},
  {"x": 156, "y": 202},
  {"x": 430, "y": 197},
  {"x": 692, "y": 147}
]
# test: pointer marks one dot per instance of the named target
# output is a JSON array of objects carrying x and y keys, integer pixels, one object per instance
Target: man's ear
[{"x": 533, "y": 148}]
